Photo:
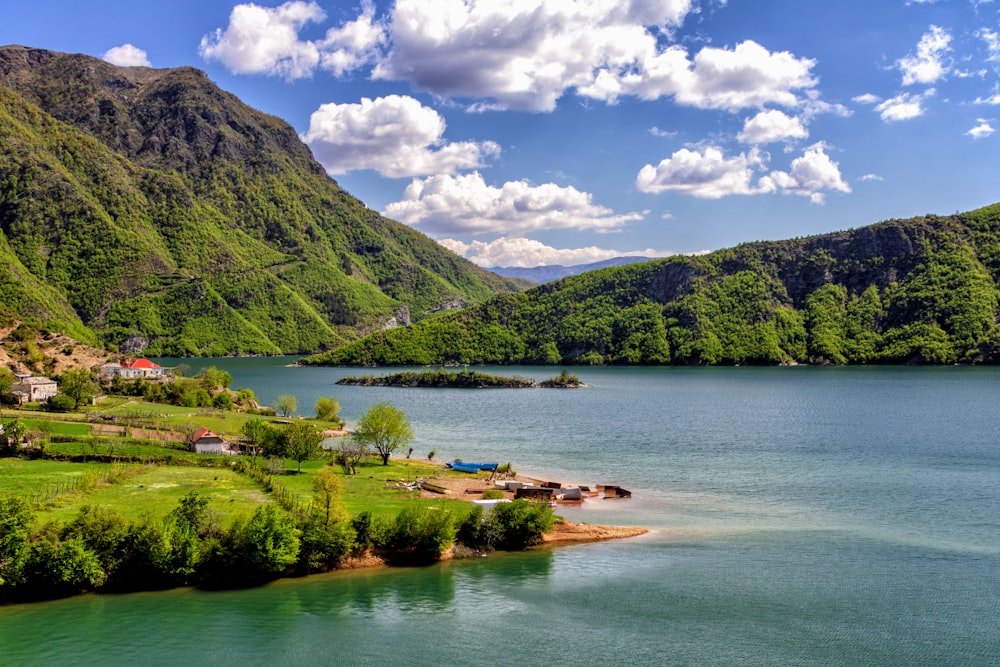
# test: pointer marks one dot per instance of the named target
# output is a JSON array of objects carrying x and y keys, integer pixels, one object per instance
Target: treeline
[
  {"x": 922, "y": 290},
  {"x": 100, "y": 550},
  {"x": 464, "y": 378}
]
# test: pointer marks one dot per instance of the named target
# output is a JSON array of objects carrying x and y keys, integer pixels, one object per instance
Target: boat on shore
[
  {"x": 462, "y": 466},
  {"x": 432, "y": 487}
]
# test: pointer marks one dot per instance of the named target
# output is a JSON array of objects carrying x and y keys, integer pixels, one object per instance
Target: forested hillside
[
  {"x": 150, "y": 206},
  {"x": 922, "y": 290}
]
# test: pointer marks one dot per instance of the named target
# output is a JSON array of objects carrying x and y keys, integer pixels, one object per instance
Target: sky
[{"x": 534, "y": 132}]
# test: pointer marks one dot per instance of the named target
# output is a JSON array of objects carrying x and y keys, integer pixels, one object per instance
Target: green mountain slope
[
  {"x": 141, "y": 203},
  {"x": 905, "y": 291}
]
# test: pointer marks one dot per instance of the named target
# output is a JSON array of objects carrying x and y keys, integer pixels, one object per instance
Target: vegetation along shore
[{"x": 111, "y": 492}]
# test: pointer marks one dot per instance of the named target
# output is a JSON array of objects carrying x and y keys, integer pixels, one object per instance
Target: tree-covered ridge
[
  {"x": 923, "y": 290},
  {"x": 149, "y": 202}
]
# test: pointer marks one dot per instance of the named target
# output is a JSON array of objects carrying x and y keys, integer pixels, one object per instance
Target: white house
[{"x": 33, "y": 389}]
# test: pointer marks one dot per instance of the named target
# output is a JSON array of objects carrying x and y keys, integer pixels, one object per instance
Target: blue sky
[{"x": 529, "y": 132}]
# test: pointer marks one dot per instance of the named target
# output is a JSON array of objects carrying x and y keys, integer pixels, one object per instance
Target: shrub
[
  {"x": 418, "y": 536},
  {"x": 61, "y": 403}
]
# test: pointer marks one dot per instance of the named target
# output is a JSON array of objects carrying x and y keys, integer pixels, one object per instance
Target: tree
[
  {"x": 350, "y": 454},
  {"x": 327, "y": 496},
  {"x": 255, "y": 432},
  {"x": 12, "y": 433},
  {"x": 328, "y": 409},
  {"x": 303, "y": 442},
  {"x": 6, "y": 382},
  {"x": 212, "y": 378},
  {"x": 385, "y": 429},
  {"x": 78, "y": 384},
  {"x": 286, "y": 404},
  {"x": 267, "y": 543}
]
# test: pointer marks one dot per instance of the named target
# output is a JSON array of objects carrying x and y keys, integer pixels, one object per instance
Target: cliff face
[
  {"x": 922, "y": 290},
  {"x": 142, "y": 202}
]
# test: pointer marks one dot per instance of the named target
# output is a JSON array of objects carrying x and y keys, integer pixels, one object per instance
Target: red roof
[
  {"x": 141, "y": 363},
  {"x": 199, "y": 433}
]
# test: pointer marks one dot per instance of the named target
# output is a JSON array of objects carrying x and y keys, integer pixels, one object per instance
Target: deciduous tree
[{"x": 384, "y": 429}]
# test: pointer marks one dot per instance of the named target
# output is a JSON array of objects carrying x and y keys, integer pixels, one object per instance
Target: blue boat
[{"x": 462, "y": 466}]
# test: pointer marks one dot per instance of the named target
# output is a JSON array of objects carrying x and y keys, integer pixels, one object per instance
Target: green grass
[
  {"x": 157, "y": 490},
  {"x": 53, "y": 427},
  {"x": 22, "y": 477}
]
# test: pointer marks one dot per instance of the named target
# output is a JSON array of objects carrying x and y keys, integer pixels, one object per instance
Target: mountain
[
  {"x": 546, "y": 274},
  {"x": 149, "y": 208},
  {"x": 922, "y": 290}
]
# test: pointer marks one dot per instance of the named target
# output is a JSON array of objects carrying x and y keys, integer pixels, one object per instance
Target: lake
[{"x": 800, "y": 516}]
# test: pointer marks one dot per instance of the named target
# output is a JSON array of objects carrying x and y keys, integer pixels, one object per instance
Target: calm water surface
[{"x": 801, "y": 516}]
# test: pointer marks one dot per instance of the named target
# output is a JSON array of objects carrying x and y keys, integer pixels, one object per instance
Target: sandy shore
[{"x": 563, "y": 532}]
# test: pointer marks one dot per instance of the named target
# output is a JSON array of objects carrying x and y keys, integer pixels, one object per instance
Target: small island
[{"x": 462, "y": 379}]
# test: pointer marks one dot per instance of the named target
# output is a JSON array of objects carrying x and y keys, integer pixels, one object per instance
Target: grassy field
[{"x": 156, "y": 489}]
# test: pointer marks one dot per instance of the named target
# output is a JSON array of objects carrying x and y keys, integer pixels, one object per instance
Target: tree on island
[
  {"x": 286, "y": 405},
  {"x": 385, "y": 429}
]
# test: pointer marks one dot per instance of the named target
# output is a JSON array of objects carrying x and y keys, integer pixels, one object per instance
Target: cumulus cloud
[
  {"x": 524, "y": 252},
  {"x": 871, "y": 177},
  {"x": 903, "y": 107},
  {"x": 522, "y": 55},
  {"x": 395, "y": 135},
  {"x": 354, "y": 44},
  {"x": 704, "y": 174},
  {"x": 927, "y": 64},
  {"x": 516, "y": 55},
  {"x": 867, "y": 98},
  {"x": 465, "y": 204},
  {"x": 708, "y": 174},
  {"x": 127, "y": 55},
  {"x": 260, "y": 40},
  {"x": 770, "y": 126},
  {"x": 810, "y": 175},
  {"x": 984, "y": 129}
]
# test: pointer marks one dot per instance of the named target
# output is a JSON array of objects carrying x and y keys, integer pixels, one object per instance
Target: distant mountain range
[
  {"x": 150, "y": 210},
  {"x": 546, "y": 274}
]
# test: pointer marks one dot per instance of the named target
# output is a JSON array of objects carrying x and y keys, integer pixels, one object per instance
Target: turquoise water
[{"x": 801, "y": 516}]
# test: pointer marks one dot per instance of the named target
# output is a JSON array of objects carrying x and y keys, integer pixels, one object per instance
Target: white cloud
[
  {"x": 260, "y": 40},
  {"x": 993, "y": 99},
  {"x": 811, "y": 174},
  {"x": 523, "y": 252},
  {"x": 521, "y": 54},
  {"x": 127, "y": 55},
  {"x": 354, "y": 44},
  {"x": 867, "y": 98},
  {"x": 770, "y": 126},
  {"x": 871, "y": 177},
  {"x": 984, "y": 129},
  {"x": 903, "y": 107},
  {"x": 395, "y": 135},
  {"x": 706, "y": 174},
  {"x": 465, "y": 204},
  {"x": 709, "y": 175},
  {"x": 992, "y": 40},
  {"x": 927, "y": 65}
]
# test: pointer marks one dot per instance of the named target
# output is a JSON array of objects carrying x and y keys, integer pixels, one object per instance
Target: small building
[
  {"x": 33, "y": 389},
  {"x": 137, "y": 368},
  {"x": 203, "y": 441}
]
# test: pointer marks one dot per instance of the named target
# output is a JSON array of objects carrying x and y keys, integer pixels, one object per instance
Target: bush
[
  {"x": 418, "y": 536},
  {"x": 507, "y": 527},
  {"x": 61, "y": 403}
]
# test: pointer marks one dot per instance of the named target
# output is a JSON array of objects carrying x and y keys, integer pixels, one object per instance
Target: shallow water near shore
[{"x": 806, "y": 516}]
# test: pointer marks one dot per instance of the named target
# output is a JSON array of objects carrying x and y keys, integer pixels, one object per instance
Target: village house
[
  {"x": 137, "y": 368},
  {"x": 203, "y": 441},
  {"x": 33, "y": 388}
]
